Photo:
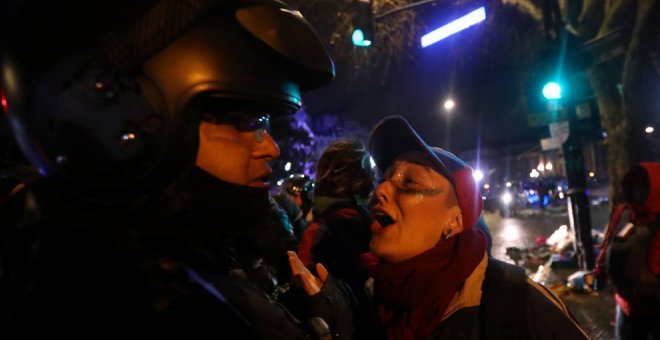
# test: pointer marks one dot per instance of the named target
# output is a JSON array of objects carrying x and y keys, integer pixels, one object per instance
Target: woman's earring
[{"x": 446, "y": 234}]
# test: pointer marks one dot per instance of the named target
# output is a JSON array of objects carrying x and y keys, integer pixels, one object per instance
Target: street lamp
[
  {"x": 449, "y": 104},
  {"x": 470, "y": 19},
  {"x": 649, "y": 129}
]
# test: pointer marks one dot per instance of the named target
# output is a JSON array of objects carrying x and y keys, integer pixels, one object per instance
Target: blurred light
[
  {"x": 592, "y": 174},
  {"x": 548, "y": 166},
  {"x": 486, "y": 186},
  {"x": 128, "y": 136},
  {"x": 358, "y": 39},
  {"x": 449, "y": 104},
  {"x": 506, "y": 197},
  {"x": 3, "y": 98},
  {"x": 559, "y": 188},
  {"x": 534, "y": 173},
  {"x": 551, "y": 90},
  {"x": 511, "y": 232},
  {"x": 604, "y": 134},
  {"x": 287, "y": 166},
  {"x": 648, "y": 129},
  {"x": 561, "y": 195},
  {"x": 478, "y": 175},
  {"x": 280, "y": 182},
  {"x": 540, "y": 167},
  {"x": 373, "y": 163},
  {"x": 455, "y": 26},
  {"x": 508, "y": 184}
]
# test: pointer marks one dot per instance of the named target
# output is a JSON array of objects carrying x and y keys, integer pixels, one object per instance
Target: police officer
[
  {"x": 114, "y": 102},
  {"x": 295, "y": 198}
]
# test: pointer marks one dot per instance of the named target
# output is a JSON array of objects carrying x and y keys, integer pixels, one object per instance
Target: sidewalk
[{"x": 594, "y": 311}]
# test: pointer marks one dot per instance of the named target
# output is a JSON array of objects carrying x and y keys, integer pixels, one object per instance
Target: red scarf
[{"x": 411, "y": 296}]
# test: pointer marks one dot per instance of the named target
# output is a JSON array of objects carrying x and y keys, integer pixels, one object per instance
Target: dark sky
[{"x": 482, "y": 68}]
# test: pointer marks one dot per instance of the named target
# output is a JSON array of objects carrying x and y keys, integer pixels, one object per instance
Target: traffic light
[
  {"x": 363, "y": 24},
  {"x": 551, "y": 90}
]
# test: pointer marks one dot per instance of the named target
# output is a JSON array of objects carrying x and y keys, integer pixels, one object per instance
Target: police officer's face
[{"x": 237, "y": 148}]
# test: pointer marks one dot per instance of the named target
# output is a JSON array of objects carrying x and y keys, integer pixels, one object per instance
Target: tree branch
[{"x": 526, "y": 6}]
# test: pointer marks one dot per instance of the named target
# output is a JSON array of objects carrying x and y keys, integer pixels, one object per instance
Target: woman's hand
[{"x": 310, "y": 283}]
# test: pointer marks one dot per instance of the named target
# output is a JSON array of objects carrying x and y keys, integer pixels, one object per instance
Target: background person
[
  {"x": 295, "y": 197},
  {"x": 339, "y": 233},
  {"x": 630, "y": 255}
]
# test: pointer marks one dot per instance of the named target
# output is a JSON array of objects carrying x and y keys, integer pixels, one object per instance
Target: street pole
[{"x": 578, "y": 203}]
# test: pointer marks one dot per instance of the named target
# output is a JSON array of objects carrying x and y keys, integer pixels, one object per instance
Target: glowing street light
[
  {"x": 454, "y": 27},
  {"x": 649, "y": 129},
  {"x": 449, "y": 104},
  {"x": 507, "y": 198}
]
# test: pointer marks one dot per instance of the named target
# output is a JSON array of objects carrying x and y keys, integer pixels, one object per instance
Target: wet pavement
[{"x": 594, "y": 311}]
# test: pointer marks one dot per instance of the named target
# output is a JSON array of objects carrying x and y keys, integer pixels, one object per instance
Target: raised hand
[{"x": 310, "y": 283}]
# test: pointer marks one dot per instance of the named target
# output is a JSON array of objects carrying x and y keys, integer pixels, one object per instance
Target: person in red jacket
[{"x": 630, "y": 255}]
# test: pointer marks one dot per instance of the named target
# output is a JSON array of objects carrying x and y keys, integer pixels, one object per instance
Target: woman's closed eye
[{"x": 408, "y": 181}]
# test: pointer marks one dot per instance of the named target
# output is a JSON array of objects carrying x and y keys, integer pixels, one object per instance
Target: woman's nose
[{"x": 382, "y": 192}]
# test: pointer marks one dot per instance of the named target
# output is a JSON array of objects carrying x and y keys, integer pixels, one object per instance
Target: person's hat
[
  {"x": 641, "y": 186},
  {"x": 394, "y": 136}
]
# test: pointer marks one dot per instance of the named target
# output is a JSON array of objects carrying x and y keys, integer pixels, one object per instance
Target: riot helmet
[
  {"x": 105, "y": 98},
  {"x": 344, "y": 170},
  {"x": 301, "y": 187},
  {"x": 297, "y": 184}
]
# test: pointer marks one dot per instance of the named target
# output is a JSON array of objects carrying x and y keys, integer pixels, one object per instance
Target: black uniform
[{"x": 203, "y": 258}]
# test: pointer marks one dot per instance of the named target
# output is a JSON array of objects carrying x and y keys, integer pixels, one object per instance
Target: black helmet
[
  {"x": 298, "y": 184},
  {"x": 303, "y": 186},
  {"x": 105, "y": 98},
  {"x": 344, "y": 170}
]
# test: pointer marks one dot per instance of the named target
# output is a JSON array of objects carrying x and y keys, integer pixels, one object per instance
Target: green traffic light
[
  {"x": 551, "y": 90},
  {"x": 359, "y": 40}
]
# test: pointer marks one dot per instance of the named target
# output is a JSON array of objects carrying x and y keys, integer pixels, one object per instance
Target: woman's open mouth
[{"x": 382, "y": 218}]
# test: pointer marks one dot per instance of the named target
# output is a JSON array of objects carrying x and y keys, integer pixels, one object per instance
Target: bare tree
[
  {"x": 394, "y": 35},
  {"x": 616, "y": 81}
]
